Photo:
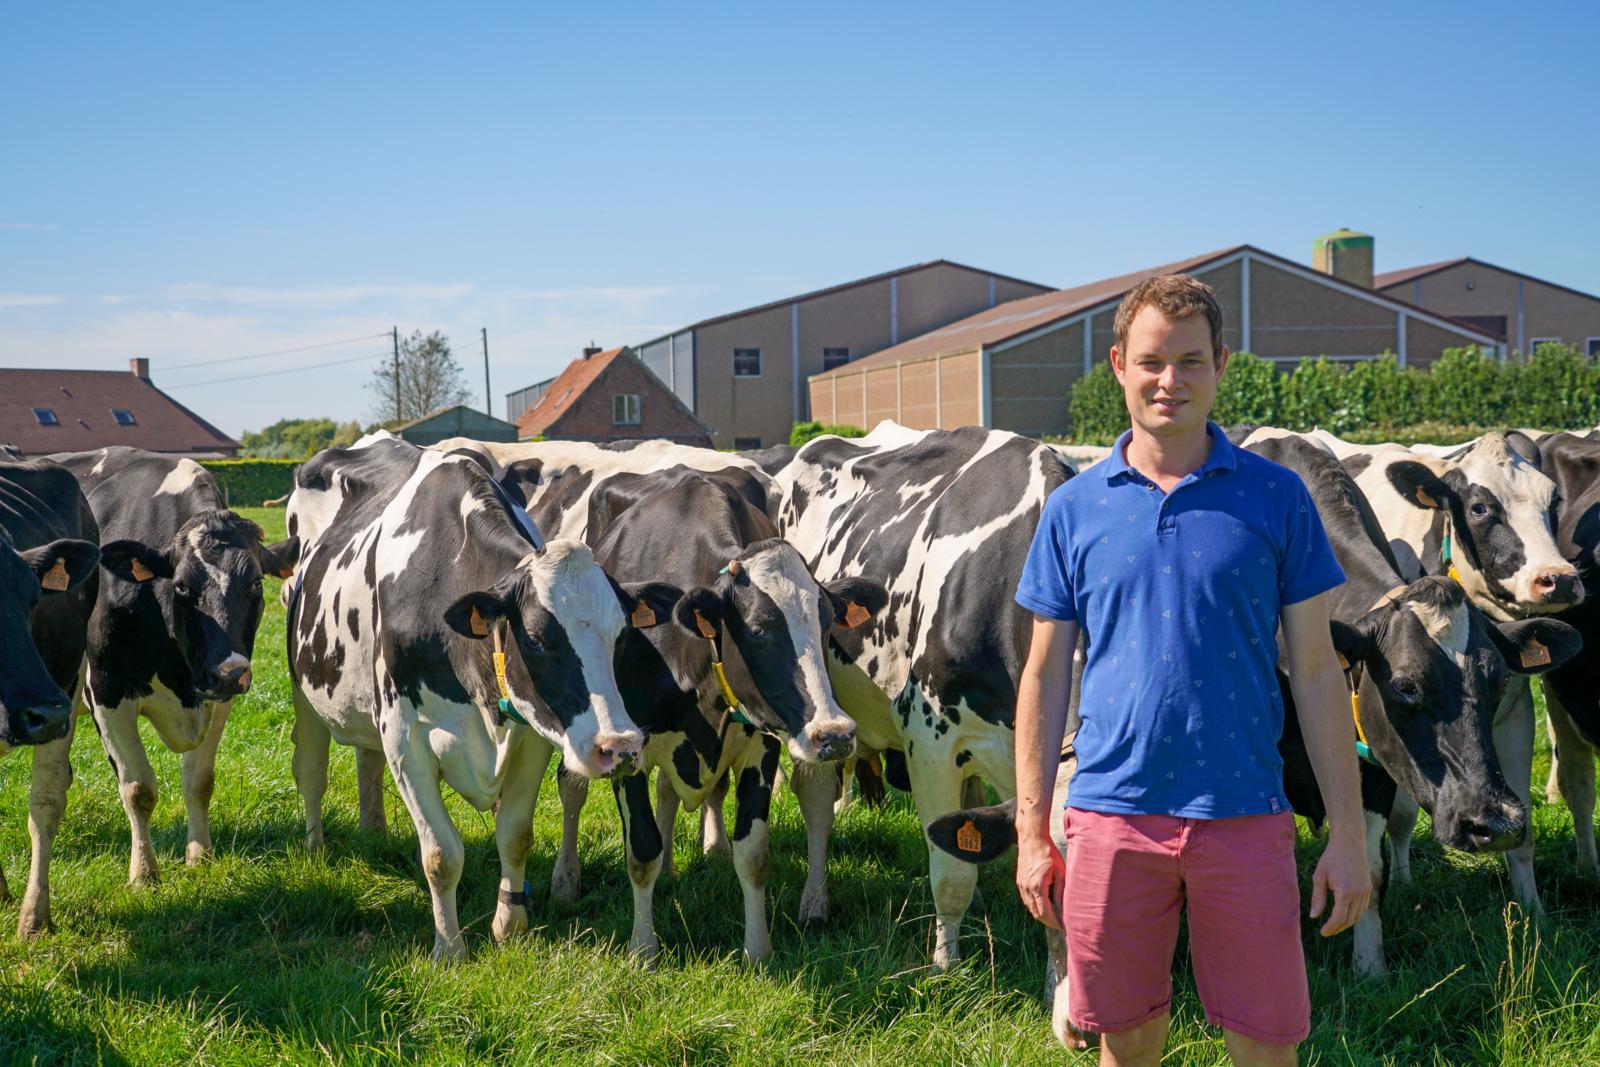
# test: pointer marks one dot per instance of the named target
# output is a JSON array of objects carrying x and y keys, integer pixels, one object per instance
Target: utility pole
[
  {"x": 396, "y": 331},
  {"x": 488, "y": 397}
]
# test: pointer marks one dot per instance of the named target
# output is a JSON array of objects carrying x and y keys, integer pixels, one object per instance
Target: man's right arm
[{"x": 1041, "y": 719}]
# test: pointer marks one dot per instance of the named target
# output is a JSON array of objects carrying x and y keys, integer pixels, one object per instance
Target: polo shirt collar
[{"x": 1223, "y": 456}]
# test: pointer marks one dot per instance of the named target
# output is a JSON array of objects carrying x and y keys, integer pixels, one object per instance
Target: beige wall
[
  {"x": 1029, "y": 382},
  {"x": 1425, "y": 342},
  {"x": 1547, "y": 311},
  {"x": 745, "y": 407},
  {"x": 940, "y": 393},
  {"x": 1291, "y": 316}
]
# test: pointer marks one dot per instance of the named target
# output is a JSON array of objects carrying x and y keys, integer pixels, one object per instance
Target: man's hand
[
  {"x": 1041, "y": 874},
  {"x": 1342, "y": 870}
]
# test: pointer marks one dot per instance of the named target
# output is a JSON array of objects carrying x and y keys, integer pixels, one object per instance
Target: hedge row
[
  {"x": 1463, "y": 394},
  {"x": 247, "y": 482},
  {"x": 801, "y": 432}
]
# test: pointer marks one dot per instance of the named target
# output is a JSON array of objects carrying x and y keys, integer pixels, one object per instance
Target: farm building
[
  {"x": 456, "y": 421},
  {"x": 609, "y": 396},
  {"x": 1011, "y": 367},
  {"x": 44, "y": 411},
  {"x": 743, "y": 374},
  {"x": 1522, "y": 310}
]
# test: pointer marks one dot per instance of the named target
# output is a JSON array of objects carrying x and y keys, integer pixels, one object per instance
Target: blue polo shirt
[{"x": 1178, "y": 595}]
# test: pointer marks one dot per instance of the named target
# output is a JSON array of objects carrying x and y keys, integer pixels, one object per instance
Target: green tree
[
  {"x": 427, "y": 378},
  {"x": 1471, "y": 388},
  {"x": 289, "y": 439},
  {"x": 801, "y": 432},
  {"x": 1250, "y": 393},
  {"x": 1315, "y": 397},
  {"x": 1554, "y": 389},
  {"x": 1097, "y": 409}
]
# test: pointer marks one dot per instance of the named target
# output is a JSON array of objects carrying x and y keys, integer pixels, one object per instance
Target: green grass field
[{"x": 268, "y": 954}]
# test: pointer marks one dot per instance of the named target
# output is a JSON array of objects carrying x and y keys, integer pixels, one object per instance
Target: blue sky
[{"x": 191, "y": 183}]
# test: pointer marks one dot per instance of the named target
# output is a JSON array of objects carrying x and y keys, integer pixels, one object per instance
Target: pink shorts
[{"x": 1127, "y": 878}]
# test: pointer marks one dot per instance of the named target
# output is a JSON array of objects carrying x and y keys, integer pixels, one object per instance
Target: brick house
[
  {"x": 45, "y": 411},
  {"x": 1522, "y": 310},
  {"x": 609, "y": 396}
]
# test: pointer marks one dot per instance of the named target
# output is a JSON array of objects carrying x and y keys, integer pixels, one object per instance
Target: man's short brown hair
[{"x": 1177, "y": 296}]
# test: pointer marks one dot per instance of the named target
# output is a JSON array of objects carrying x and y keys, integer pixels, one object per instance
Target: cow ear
[
  {"x": 1353, "y": 643},
  {"x": 700, "y": 611},
  {"x": 646, "y": 604},
  {"x": 60, "y": 565},
  {"x": 135, "y": 561},
  {"x": 976, "y": 835},
  {"x": 279, "y": 559},
  {"x": 1534, "y": 646},
  {"x": 1419, "y": 485},
  {"x": 855, "y": 600},
  {"x": 473, "y": 614}
]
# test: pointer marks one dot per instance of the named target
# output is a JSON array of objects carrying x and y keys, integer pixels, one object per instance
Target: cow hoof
[
  {"x": 564, "y": 887},
  {"x": 145, "y": 878},
  {"x": 194, "y": 854},
  {"x": 716, "y": 845},
  {"x": 813, "y": 908},
  {"x": 447, "y": 952},
  {"x": 757, "y": 958},
  {"x": 508, "y": 922},
  {"x": 315, "y": 842},
  {"x": 645, "y": 950},
  {"x": 32, "y": 927}
]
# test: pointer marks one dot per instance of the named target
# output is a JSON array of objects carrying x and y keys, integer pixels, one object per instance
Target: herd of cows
[{"x": 461, "y": 614}]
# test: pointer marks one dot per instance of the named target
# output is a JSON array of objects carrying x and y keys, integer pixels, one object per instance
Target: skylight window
[
  {"x": 123, "y": 416},
  {"x": 46, "y": 417}
]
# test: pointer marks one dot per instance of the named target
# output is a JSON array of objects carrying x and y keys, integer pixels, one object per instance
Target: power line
[
  {"x": 291, "y": 370},
  {"x": 280, "y": 352}
]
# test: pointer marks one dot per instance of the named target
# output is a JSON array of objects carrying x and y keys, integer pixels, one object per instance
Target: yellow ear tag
[
  {"x": 500, "y": 675},
  {"x": 1535, "y": 655},
  {"x": 643, "y": 617},
  {"x": 969, "y": 838},
  {"x": 1453, "y": 574},
  {"x": 55, "y": 579},
  {"x": 707, "y": 631},
  {"x": 855, "y": 615},
  {"x": 141, "y": 573},
  {"x": 479, "y": 627}
]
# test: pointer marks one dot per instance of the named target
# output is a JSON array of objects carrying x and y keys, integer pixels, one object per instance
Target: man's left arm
[{"x": 1323, "y": 704}]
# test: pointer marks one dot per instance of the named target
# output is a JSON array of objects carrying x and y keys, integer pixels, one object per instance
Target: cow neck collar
[
  {"x": 1352, "y": 675},
  {"x": 1446, "y": 555}
]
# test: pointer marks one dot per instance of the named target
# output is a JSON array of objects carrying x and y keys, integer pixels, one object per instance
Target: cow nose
[
  {"x": 41, "y": 723},
  {"x": 232, "y": 676},
  {"x": 1498, "y": 830},
  {"x": 618, "y": 753},
  {"x": 832, "y": 742},
  {"x": 1559, "y": 586}
]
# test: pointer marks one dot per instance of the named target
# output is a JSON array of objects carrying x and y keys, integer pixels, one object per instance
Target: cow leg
[
  {"x": 199, "y": 780},
  {"x": 369, "y": 790},
  {"x": 567, "y": 876},
  {"x": 846, "y": 770},
  {"x": 815, "y": 786},
  {"x": 47, "y": 799},
  {"x": 513, "y": 831},
  {"x": 1513, "y": 743},
  {"x": 1552, "y": 784},
  {"x": 752, "y": 807},
  {"x": 713, "y": 829},
  {"x": 1402, "y": 825},
  {"x": 641, "y": 844},
  {"x": 1576, "y": 778},
  {"x": 666, "y": 817},
  {"x": 310, "y": 763},
  {"x": 416, "y": 774},
  {"x": 936, "y": 787},
  {"x": 136, "y": 782},
  {"x": 1368, "y": 934}
]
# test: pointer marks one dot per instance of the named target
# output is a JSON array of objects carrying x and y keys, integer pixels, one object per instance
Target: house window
[
  {"x": 746, "y": 444},
  {"x": 123, "y": 416},
  {"x": 1535, "y": 342},
  {"x": 625, "y": 409},
  {"x": 747, "y": 362},
  {"x": 46, "y": 417},
  {"x": 835, "y": 357},
  {"x": 1592, "y": 346}
]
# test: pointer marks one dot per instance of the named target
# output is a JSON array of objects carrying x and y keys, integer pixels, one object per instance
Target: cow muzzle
[
  {"x": 616, "y": 754},
  {"x": 228, "y": 679},
  {"x": 829, "y": 741},
  {"x": 38, "y": 723},
  {"x": 1558, "y": 586},
  {"x": 1497, "y": 828}
]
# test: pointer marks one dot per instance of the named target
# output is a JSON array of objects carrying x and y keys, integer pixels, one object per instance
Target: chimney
[
  {"x": 140, "y": 366},
  {"x": 1345, "y": 254},
  {"x": 592, "y": 350}
]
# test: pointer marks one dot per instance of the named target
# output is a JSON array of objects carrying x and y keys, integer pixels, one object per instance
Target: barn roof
[{"x": 83, "y": 405}]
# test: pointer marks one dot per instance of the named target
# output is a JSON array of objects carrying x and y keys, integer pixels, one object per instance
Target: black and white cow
[
  {"x": 1484, "y": 518},
  {"x": 400, "y": 599},
  {"x": 945, "y": 519},
  {"x": 174, "y": 625},
  {"x": 1572, "y": 692},
  {"x": 751, "y": 599},
  {"x": 48, "y": 557}
]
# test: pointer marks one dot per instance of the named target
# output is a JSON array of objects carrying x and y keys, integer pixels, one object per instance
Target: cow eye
[
  {"x": 181, "y": 588},
  {"x": 1405, "y": 687},
  {"x": 1480, "y": 509}
]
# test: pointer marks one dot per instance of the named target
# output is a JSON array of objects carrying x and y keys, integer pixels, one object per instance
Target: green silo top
[{"x": 1345, "y": 238}]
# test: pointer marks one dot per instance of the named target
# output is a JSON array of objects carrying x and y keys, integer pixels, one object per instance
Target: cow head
[
  {"x": 33, "y": 709},
  {"x": 1433, "y": 670},
  {"x": 1498, "y": 503},
  {"x": 208, "y": 582},
  {"x": 559, "y": 616},
  {"x": 776, "y": 617}
]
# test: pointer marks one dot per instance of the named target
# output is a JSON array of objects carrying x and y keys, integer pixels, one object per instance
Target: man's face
[{"x": 1168, "y": 374}]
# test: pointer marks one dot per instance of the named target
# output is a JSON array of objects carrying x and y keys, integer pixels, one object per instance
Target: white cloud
[
  {"x": 29, "y": 300},
  {"x": 31, "y": 227},
  {"x": 206, "y": 292}
]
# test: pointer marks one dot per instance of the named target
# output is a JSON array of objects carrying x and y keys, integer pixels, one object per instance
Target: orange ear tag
[
  {"x": 55, "y": 579},
  {"x": 1535, "y": 655},
  {"x": 479, "y": 627},
  {"x": 285, "y": 572},
  {"x": 642, "y": 616},
  {"x": 141, "y": 573},
  {"x": 969, "y": 838},
  {"x": 707, "y": 631},
  {"x": 855, "y": 615},
  {"x": 1426, "y": 500}
]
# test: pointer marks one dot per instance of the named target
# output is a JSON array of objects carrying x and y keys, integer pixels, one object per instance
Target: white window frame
[
  {"x": 132, "y": 420},
  {"x": 637, "y": 405},
  {"x": 834, "y": 348},
  {"x": 1535, "y": 342},
  {"x": 736, "y": 352},
  {"x": 55, "y": 420}
]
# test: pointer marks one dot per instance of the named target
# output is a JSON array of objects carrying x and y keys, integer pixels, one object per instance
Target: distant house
[
  {"x": 609, "y": 396},
  {"x": 44, "y": 411},
  {"x": 457, "y": 421},
  {"x": 1523, "y": 310},
  {"x": 744, "y": 374}
]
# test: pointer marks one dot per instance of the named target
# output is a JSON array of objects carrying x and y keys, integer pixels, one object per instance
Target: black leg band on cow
[{"x": 518, "y": 899}]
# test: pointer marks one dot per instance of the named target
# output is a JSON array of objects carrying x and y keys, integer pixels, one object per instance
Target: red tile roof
[
  {"x": 82, "y": 401},
  {"x": 564, "y": 392}
]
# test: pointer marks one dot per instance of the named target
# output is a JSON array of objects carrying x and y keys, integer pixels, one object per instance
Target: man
[{"x": 1179, "y": 556}]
